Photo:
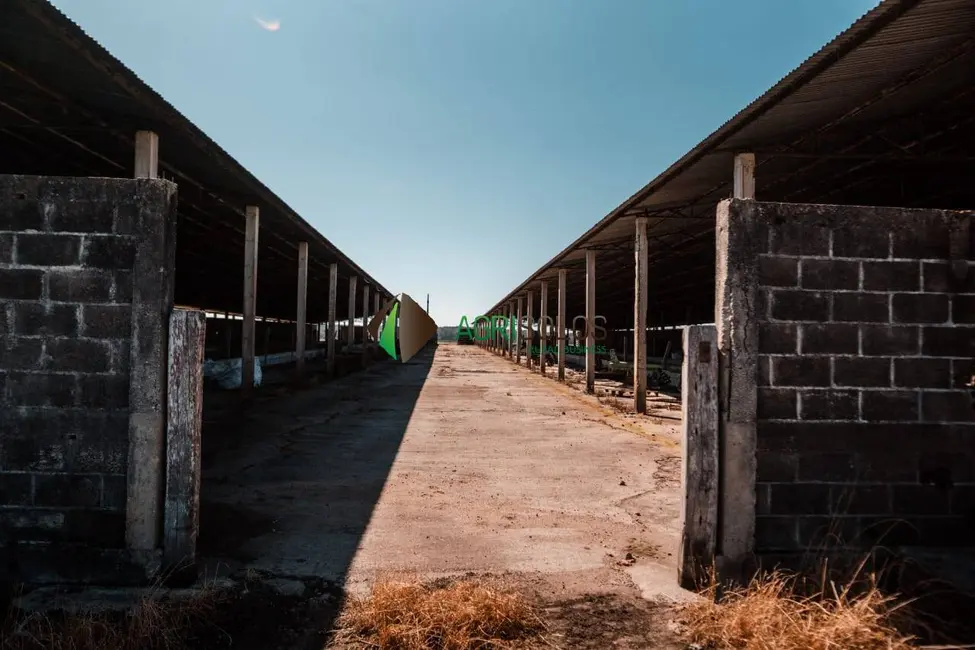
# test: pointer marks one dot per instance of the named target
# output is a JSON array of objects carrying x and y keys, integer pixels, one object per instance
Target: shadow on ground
[{"x": 289, "y": 486}]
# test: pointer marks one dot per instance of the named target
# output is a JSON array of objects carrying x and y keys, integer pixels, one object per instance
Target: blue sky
[{"x": 488, "y": 134}]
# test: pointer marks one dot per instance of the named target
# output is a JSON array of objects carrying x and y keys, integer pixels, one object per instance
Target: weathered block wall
[
  {"x": 69, "y": 255},
  {"x": 865, "y": 427}
]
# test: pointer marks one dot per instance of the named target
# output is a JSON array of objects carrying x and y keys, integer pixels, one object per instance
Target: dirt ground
[{"x": 457, "y": 463}]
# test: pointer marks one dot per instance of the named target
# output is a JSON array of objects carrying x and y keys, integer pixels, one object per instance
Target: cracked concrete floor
[{"x": 458, "y": 461}]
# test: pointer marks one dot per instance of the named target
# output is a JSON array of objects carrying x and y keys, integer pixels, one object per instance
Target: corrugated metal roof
[
  {"x": 86, "y": 70},
  {"x": 888, "y": 42}
]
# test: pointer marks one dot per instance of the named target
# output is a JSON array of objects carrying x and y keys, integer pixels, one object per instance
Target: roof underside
[
  {"x": 883, "y": 115},
  {"x": 68, "y": 108}
]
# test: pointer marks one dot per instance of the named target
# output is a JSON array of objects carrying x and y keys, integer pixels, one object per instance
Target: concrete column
[
  {"x": 302, "y": 308},
  {"x": 542, "y": 326},
  {"x": 590, "y": 321},
  {"x": 744, "y": 185},
  {"x": 529, "y": 317},
  {"x": 375, "y": 303},
  {"x": 640, "y": 318},
  {"x": 560, "y": 324},
  {"x": 353, "y": 280},
  {"x": 333, "y": 294},
  {"x": 518, "y": 335},
  {"x": 248, "y": 327},
  {"x": 146, "y": 154}
]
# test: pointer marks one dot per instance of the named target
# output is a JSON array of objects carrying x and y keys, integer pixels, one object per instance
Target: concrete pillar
[
  {"x": 560, "y": 324},
  {"x": 590, "y": 321},
  {"x": 333, "y": 294},
  {"x": 248, "y": 327},
  {"x": 640, "y": 317},
  {"x": 528, "y": 329},
  {"x": 542, "y": 326},
  {"x": 302, "y": 308},
  {"x": 146, "y": 154},
  {"x": 353, "y": 280},
  {"x": 518, "y": 335},
  {"x": 744, "y": 185},
  {"x": 375, "y": 303}
]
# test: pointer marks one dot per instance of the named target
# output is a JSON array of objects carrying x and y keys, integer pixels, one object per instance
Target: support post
[
  {"x": 511, "y": 330},
  {"x": 375, "y": 303},
  {"x": 495, "y": 332},
  {"x": 365, "y": 323},
  {"x": 590, "y": 321},
  {"x": 699, "y": 479},
  {"x": 499, "y": 333},
  {"x": 184, "y": 418},
  {"x": 301, "y": 326},
  {"x": 736, "y": 294},
  {"x": 353, "y": 280},
  {"x": 542, "y": 326},
  {"x": 518, "y": 334},
  {"x": 333, "y": 287},
  {"x": 249, "y": 327},
  {"x": 146, "y": 154},
  {"x": 560, "y": 324},
  {"x": 529, "y": 322},
  {"x": 744, "y": 185},
  {"x": 640, "y": 318}
]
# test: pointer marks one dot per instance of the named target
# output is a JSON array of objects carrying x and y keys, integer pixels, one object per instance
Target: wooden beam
[
  {"x": 184, "y": 419},
  {"x": 511, "y": 330},
  {"x": 333, "y": 286},
  {"x": 353, "y": 280},
  {"x": 640, "y": 318},
  {"x": 248, "y": 328},
  {"x": 302, "y": 309},
  {"x": 518, "y": 334},
  {"x": 590, "y": 321},
  {"x": 365, "y": 322},
  {"x": 744, "y": 182},
  {"x": 542, "y": 325},
  {"x": 560, "y": 324},
  {"x": 699, "y": 481},
  {"x": 146, "y": 154},
  {"x": 530, "y": 300}
]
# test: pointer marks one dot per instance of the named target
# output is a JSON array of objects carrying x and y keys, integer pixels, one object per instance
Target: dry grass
[
  {"x": 153, "y": 624},
  {"x": 779, "y": 611},
  {"x": 617, "y": 404},
  {"x": 404, "y": 614}
]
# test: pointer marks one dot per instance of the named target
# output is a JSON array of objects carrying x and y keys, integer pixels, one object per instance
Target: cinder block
[{"x": 48, "y": 249}]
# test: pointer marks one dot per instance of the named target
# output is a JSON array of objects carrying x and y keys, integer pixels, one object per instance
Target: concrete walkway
[{"x": 455, "y": 462}]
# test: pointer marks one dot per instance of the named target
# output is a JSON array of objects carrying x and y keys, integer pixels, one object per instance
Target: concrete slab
[{"x": 452, "y": 463}]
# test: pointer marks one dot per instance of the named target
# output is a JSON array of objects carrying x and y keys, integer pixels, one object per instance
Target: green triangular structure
[{"x": 387, "y": 340}]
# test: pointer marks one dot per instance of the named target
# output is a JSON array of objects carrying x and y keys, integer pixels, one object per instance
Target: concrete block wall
[
  {"x": 69, "y": 295},
  {"x": 865, "y": 425}
]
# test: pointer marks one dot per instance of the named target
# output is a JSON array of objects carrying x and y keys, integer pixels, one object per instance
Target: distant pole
[{"x": 428, "y": 303}]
